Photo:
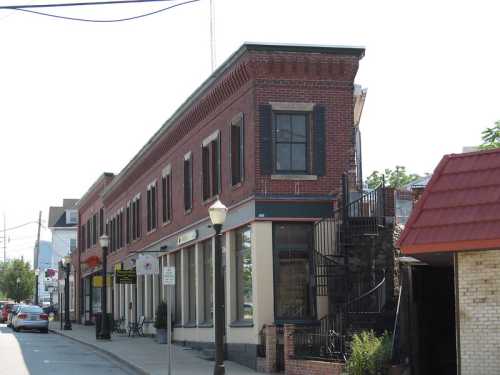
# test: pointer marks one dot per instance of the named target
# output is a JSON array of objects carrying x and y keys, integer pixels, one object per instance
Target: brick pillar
[
  {"x": 271, "y": 341},
  {"x": 289, "y": 347}
]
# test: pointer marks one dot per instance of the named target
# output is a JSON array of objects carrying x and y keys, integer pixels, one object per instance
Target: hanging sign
[
  {"x": 169, "y": 276},
  {"x": 187, "y": 237},
  {"x": 126, "y": 277},
  {"x": 97, "y": 281},
  {"x": 147, "y": 265}
]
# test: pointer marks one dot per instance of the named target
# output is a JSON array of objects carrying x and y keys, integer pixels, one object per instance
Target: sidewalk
[{"x": 146, "y": 356}]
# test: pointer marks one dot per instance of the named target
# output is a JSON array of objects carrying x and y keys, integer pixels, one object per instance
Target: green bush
[
  {"x": 370, "y": 355},
  {"x": 161, "y": 321}
]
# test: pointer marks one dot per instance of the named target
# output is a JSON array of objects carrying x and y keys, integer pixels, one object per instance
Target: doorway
[{"x": 433, "y": 322}]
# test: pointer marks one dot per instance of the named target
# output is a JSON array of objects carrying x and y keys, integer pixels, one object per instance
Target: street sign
[
  {"x": 125, "y": 277},
  {"x": 169, "y": 276}
]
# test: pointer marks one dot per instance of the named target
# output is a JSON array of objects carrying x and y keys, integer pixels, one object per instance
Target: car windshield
[{"x": 31, "y": 309}]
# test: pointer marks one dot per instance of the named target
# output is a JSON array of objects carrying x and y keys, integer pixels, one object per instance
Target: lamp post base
[
  {"x": 219, "y": 369},
  {"x": 67, "y": 326}
]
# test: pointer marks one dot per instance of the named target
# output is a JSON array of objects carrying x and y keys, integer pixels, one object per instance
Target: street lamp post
[
  {"x": 217, "y": 214},
  {"x": 67, "y": 269},
  {"x": 18, "y": 280},
  {"x": 37, "y": 273},
  {"x": 105, "y": 334}
]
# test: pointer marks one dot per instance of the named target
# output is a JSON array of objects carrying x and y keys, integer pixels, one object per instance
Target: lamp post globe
[
  {"x": 104, "y": 241},
  {"x": 217, "y": 214}
]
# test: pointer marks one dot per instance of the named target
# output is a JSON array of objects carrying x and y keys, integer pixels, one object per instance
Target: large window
[
  {"x": 151, "y": 207},
  {"x": 208, "y": 288},
  {"x": 191, "y": 285},
  {"x": 290, "y": 142},
  {"x": 101, "y": 221},
  {"x": 294, "y": 297},
  {"x": 178, "y": 287},
  {"x": 237, "y": 151},
  {"x": 127, "y": 224},
  {"x": 244, "y": 294},
  {"x": 211, "y": 166},
  {"x": 166, "y": 195},
  {"x": 188, "y": 182},
  {"x": 136, "y": 218}
]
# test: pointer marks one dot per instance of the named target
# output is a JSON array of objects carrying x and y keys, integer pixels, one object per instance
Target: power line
[
  {"x": 21, "y": 9},
  {"x": 19, "y": 226},
  {"x": 86, "y": 3}
]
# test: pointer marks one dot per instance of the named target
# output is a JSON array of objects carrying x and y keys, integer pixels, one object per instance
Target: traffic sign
[{"x": 169, "y": 276}]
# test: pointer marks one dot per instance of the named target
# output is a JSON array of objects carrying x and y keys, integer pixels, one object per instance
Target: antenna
[{"x": 212, "y": 35}]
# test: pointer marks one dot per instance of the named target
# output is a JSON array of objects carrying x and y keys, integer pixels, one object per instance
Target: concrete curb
[{"x": 108, "y": 353}]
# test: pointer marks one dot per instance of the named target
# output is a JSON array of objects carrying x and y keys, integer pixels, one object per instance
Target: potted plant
[{"x": 161, "y": 324}]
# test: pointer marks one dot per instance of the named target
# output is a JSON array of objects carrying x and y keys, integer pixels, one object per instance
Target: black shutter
[
  {"x": 266, "y": 139},
  {"x": 319, "y": 140}
]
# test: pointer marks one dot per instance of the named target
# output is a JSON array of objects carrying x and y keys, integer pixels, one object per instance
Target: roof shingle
[{"x": 460, "y": 208}]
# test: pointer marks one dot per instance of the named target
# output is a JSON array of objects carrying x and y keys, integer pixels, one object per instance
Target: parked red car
[{"x": 4, "y": 313}]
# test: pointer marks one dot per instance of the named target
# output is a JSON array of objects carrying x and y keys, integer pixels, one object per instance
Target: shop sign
[
  {"x": 147, "y": 265},
  {"x": 118, "y": 266},
  {"x": 97, "y": 281},
  {"x": 169, "y": 276},
  {"x": 187, "y": 237},
  {"x": 125, "y": 277}
]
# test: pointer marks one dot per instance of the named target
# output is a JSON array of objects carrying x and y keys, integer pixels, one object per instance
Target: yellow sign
[
  {"x": 118, "y": 266},
  {"x": 97, "y": 281}
]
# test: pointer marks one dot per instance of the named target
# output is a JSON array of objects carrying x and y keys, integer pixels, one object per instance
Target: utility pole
[
  {"x": 35, "y": 260},
  {"x": 212, "y": 35}
]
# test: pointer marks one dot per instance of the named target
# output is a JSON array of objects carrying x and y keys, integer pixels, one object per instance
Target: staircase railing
[{"x": 372, "y": 301}]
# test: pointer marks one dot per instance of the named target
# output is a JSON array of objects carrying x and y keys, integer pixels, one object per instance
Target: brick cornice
[{"x": 229, "y": 84}]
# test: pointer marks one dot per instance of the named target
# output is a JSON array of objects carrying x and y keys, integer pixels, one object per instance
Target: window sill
[
  {"x": 190, "y": 325},
  {"x": 164, "y": 224},
  {"x": 241, "y": 324},
  {"x": 151, "y": 231},
  {"x": 206, "y": 325},
  {"x": 294, "y": 177},
  {"x": 187, "y": 212}
]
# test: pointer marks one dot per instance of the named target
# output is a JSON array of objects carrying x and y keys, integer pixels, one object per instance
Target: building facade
[
  {"x": 63, "y": 225},
  {"x": 269, "y": 134}
]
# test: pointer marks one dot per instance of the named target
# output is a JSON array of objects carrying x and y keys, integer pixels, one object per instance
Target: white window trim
[
  {"x": 166, "y": 171},
  {"x": 212, "y": 137},
  {"x": 290, "y": 106}
]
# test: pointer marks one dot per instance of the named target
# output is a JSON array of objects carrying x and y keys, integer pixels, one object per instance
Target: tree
[
  {"x": 491, "y": 137},
  {"x": 395, "y": 178},
  {"x": 10, "y": 273}
]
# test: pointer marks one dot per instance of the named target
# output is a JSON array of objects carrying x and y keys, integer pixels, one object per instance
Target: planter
[{"x": 161, "y": 334}]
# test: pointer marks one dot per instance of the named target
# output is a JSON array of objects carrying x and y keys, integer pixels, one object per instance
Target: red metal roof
[{"x": 460, "y": 208}]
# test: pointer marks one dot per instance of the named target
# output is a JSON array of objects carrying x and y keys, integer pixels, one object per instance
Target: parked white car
[{"x": 31, "y": 317}]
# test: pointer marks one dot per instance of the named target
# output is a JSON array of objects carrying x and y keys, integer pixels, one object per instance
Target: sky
[{"x": 78, "y": 99}]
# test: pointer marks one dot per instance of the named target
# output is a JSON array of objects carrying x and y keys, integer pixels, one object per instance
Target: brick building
[
  {"x": 453, "y": 319},
  {"x": 270, "y": 134}
]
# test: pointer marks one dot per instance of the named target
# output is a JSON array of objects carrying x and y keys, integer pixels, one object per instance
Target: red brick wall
[{"x": 256, "y": 78}]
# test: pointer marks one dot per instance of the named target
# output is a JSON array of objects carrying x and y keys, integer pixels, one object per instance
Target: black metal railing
[
  {"x": 322, "y": 342},
  {"x": 372, "y": 301}
]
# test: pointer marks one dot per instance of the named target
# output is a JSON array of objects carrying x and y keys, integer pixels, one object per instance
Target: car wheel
[
  {"x": 44, "y": 330},
  {"x": 16, "y": 329}
]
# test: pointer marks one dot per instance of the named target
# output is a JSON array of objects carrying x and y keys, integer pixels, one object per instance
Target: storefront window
[
  {"x": 178, "y": 294},
  {"x": 294, "y": 297},
  {"x": 244, "y": 293},
  {"x": 96, "y": 300}
]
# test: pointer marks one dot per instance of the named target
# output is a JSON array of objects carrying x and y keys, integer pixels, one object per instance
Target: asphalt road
[{"x": 33, "y": 353}]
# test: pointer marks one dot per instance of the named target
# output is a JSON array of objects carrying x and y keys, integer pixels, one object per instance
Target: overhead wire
[{"x": 23, "y": 9}]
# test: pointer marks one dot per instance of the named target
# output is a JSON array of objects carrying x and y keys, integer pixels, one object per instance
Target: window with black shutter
[
  {"x": 101, "y": 222},
  {"x": 166, "y": 195},
  {"x": 151, "y": 206},
  {"x": 210, "y": 154},
  {"x": 127, "y": 224},
  {"x": 120, "y": 227},
  {"x": 237, "y": 152},
  {"x": 188, "y": 182},
  {"x": 291, "y": 142}
]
